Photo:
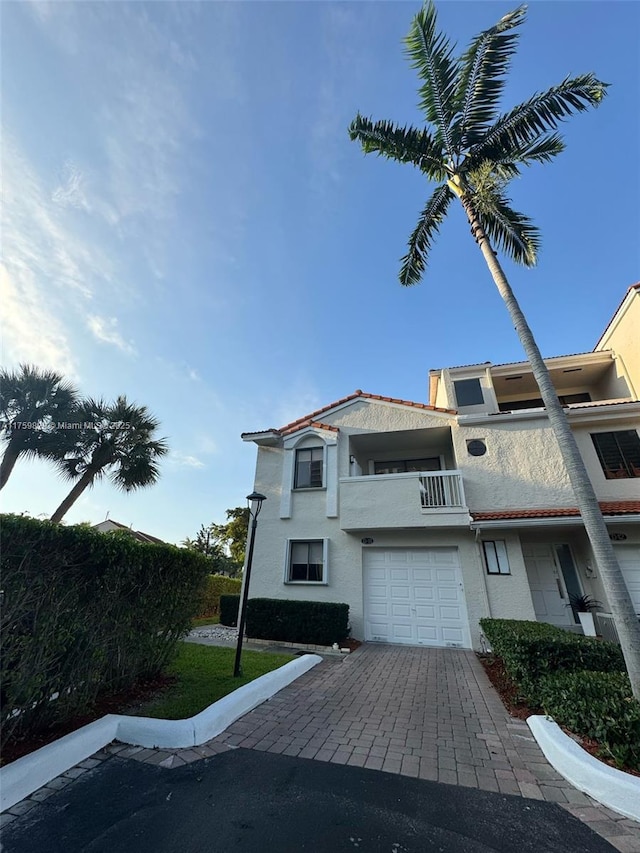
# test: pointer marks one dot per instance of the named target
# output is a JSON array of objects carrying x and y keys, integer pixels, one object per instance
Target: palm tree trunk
[
  {"x": 9, "y": 459},
  {"x": 72, "y": 497},
  {"x": 613, "y": 582}
]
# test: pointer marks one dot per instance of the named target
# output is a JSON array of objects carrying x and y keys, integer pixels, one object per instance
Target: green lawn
[
  {"x": 205, "y": 674},
  {"x": 205, "y": 620}
]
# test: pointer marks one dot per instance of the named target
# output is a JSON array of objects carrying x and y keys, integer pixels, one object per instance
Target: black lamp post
[{"x": 255, "y": 500}]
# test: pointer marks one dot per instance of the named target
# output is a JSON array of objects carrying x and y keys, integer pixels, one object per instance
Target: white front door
[
  {"x": 548, "y": 589},
  {"x": 629, "y": 560},
  {"x": 415, "y": 596}
]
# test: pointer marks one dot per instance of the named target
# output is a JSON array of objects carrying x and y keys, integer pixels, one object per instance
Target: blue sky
[{"x": 186, "y": 221}]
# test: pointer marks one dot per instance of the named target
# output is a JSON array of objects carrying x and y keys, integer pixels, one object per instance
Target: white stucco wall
[
  {"x": 625, "y": 489},
  {"x": 522, "y": 467},
  {"x": 622, "y": 337}
]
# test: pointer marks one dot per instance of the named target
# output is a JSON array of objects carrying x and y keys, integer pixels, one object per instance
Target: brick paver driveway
[{"x": 427, "y": 713}]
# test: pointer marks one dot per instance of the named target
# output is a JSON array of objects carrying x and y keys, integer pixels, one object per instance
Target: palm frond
[
  {"x": 505, "y": 162},
  {"x": 432, "y": 56},
  {"x": 414, "y": 262},
  {"x": 403, "y": 144},
  {"x": 541, "y": 114},
  {"x": 482, "y": 76},
  {"x": 510, "y": 231}
]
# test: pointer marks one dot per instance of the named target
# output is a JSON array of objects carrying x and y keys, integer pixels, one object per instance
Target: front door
[{"x": 552, "y": 576}]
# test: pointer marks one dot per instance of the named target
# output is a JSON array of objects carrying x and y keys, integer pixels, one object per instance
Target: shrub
[
  {"x": 229, "y": 606},
  {"x": 599, "y": 705},
  {"x": 317, "y": 622},
  {"x": 215, "y": 586},
  {"x": 531, "y": 650},
  {"x": 85, "y": 612}
]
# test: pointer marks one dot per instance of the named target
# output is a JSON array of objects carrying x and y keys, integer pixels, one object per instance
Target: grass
[
  {"x": 205, "y": 674},
  {"x": 205, "y": 620}
]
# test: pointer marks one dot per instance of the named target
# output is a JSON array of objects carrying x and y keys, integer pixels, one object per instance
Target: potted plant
[{"x": 585, "y": 606}]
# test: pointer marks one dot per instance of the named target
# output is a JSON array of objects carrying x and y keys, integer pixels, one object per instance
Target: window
[
  {"x": 495, "y": 557},
  {"x": 309, "y": 468},
  {"x": 306, "y": 562},
  {"x": 618, "y": 452},
  {"x": 402, "y": 466},
  {"x": 468, "y": 392}
]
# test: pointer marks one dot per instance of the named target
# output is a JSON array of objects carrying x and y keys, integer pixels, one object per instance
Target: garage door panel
[
  {"x": 399, "y": 574},
  {"x": 629, "y": 560},
  {"x": 423, "y": 590}
]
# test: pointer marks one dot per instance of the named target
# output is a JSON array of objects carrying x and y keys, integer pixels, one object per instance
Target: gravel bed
[{"x": 215, "y": 632}]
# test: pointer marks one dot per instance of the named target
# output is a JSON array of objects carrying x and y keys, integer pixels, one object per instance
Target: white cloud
[
  {"x": 31, "y": 331},
  {"x": 185, "y": 460},
  {"x": 71, "y": 190},
  {"x": 105, "y": 329}
]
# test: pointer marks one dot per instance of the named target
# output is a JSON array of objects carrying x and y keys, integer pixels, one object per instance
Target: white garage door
[
  {"x": 415, "y": 596},
  {"x": 629, "y": 559}
]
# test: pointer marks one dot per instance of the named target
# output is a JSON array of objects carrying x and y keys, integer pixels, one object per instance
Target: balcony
[{"x": 403, "y": 501}]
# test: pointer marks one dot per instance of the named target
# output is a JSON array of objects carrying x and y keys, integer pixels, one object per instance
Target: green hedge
[
  {"x": 531, "y": 650},
  {"x": 85, "y": 612},
  {"x": 215, "y": 586},
  {"x": 599, "y": 705},
  {"x": 318, "y": 622},
  {"x": 229, "y": 606}
]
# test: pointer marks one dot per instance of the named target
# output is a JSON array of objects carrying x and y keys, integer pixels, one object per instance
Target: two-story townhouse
[{"x": 424, "y": 518}]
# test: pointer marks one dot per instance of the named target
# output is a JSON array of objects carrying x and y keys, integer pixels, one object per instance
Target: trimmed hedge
[
  {"x": 215, "y": 586},
  {"x": 599, "y": 705},
  {"x": 229, "y": 606},
  {"x": 531, "y": 650},
  {"x": 85, "y": 612},
  {"x": 320, "y": 623}
]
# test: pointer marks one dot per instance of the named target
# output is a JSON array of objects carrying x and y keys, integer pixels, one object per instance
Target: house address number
[{"x": 617, "y": 537}]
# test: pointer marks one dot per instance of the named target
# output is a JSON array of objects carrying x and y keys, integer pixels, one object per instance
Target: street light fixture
[{"x": 255, "y": 500}]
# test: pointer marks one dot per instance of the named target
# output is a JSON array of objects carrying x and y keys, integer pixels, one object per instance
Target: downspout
[{"x": 485, "y": 594}]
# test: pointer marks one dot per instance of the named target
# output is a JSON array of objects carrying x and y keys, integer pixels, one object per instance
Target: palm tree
[
  {"x": 114, "y": 440},
  {"x": 472, "y": 152},
  {"x": 32, "y": 403}
]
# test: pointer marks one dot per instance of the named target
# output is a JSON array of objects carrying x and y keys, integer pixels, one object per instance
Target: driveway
[{"x": 430, "y": 714}]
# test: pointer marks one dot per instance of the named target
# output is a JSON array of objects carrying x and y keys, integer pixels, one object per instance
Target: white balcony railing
[
  {"x": 441, "y": 489},
  {"x": 427, "y": 498}
]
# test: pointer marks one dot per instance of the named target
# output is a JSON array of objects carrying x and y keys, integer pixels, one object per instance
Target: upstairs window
[
  {"x": 468, "y": 392},
  {"x": 618, "y": 452},
  {"x": 309, "y": 462}
]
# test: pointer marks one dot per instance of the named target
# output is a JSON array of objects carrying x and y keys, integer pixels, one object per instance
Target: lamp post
[{"x": 255, "y": 500}]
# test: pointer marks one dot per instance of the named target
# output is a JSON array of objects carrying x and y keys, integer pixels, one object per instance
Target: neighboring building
[
  {"x": 109, "y": 525},
  {"x": 425, "y": 518}
]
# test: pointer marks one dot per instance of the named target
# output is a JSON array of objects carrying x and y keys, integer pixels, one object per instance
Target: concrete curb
[
  {"x": 613, "y": 788},
  {"x": 24, "y": 776}
]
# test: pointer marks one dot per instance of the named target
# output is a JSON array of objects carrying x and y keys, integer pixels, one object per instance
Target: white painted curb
[
  {"x": 613, "y": 788},
  {"x": 26, "y": 775}
]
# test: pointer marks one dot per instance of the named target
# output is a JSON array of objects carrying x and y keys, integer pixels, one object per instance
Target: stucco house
[{"x": 426, "y": 517}]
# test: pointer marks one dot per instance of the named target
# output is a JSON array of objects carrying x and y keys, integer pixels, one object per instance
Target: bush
[
  {"x": 317, "y": 622},
  {"x": 599, "y": 705},
  {"x": 229, "y": 606},
  {"x": 85, "y": 612},
  {"x": 531, "y": 650},
  {"x": 215, "y": 586}
]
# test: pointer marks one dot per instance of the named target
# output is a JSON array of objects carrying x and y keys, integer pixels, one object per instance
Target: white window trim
[
  {"x": 501, "y": 555},
  {"x": 325, "y": 561}
]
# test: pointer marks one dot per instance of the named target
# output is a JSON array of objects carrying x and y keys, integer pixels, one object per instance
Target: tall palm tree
[
  {"x": 472, "y": 151},
  {"x": 114, "y": 440},
  {"x": 32, "y": 403}
]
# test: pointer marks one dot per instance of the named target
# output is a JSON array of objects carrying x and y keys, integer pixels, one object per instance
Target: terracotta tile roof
[
  {"x": 310, "y": 419},
  {"x": 607, "y": 507},
  {"x": 358, "y": 394},
  {"x": 304, "y": 424}
]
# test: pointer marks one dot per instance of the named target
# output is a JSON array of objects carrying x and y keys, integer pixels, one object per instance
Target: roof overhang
[{"x": 550, "y": 521}]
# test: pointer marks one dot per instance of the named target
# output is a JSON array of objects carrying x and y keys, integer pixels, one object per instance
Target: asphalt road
[{"x": 249, "y": 801}]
